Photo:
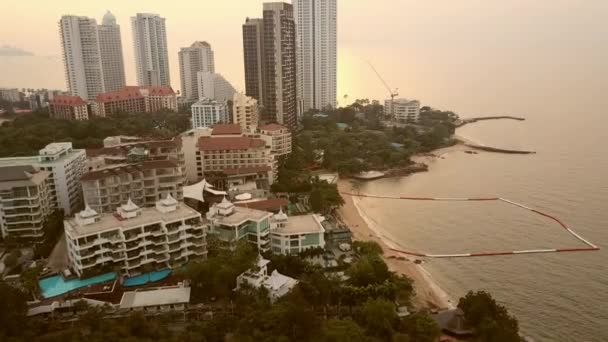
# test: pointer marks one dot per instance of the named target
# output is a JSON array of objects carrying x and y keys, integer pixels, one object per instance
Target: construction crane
[{"x": 392, "y": 93}]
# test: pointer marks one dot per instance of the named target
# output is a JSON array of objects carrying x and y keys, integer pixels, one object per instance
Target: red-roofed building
[
  {"x": 226, "y": 129},
  {"x": 278, "y": 137},
  {"x": 68, "y": 108},
  {"x": 133, "y": 99}
]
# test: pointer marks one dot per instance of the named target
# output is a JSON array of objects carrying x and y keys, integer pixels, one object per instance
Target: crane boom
[{"x": 380, "y": 77}]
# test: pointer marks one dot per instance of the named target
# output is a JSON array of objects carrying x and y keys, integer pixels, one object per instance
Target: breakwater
[
  {"x": 497, "y": 150},
  {"x": 462, "y": 122}
]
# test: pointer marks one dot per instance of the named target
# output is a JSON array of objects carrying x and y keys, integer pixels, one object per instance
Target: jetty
[
  {"x": 462, "y": 122},
  {"x": 497, "y": 150}
]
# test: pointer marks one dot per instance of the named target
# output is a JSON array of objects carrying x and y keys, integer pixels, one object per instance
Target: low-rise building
[
  {"x": 66, "y": 165},
  {"x": 402, "y": 110},
  {"x": 292, "y": 235},
  {"x": 208, "y": 112},
  {"x": 67, "y": 107},
  {"x": 164, "y": 299},
  {"x": 245, "y": 112},
  {"x": 25, "y": 202},
  {"x": 232, "y": 224},
  {"x": 165, "y": 236},
  {"x": 144, "y": 183},
  {"x": 135, "y": 99},
  {"x": 276, "y": 283}
]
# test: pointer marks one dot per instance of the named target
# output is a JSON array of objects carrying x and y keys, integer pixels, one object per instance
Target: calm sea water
[{"x": 557, "y": 297}]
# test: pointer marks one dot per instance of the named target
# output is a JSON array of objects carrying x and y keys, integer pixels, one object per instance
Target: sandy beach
[{"x": 428, "y": 293}]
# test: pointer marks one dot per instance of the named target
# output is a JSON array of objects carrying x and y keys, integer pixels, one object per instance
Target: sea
[{"x": 556, "y": 297}]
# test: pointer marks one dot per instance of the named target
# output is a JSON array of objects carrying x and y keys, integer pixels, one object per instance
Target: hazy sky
[{"x": 421, "y": 46}]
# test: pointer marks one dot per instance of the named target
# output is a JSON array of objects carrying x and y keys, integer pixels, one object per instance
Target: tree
[
  {"x": 367, "y": 248},
  {"x": 490, "y": 320},
  {"x": 13, "y": 309},
  {"x": 29, "y": 279},
  {"x": 368, "y": 270},
  {"x": 420, "y": 327},
  {"x": 342, "y": 331},
  {"x": 378, "y": 317},
  {"x": 12, "y": 259}
]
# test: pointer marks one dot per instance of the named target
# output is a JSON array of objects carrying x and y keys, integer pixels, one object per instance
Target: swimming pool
[
  {"x": 57, "y": 285},
  {"x": 146, "y": 278}
]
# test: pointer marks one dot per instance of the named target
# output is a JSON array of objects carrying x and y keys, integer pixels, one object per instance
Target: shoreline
[{"x": 428, "y": 293}]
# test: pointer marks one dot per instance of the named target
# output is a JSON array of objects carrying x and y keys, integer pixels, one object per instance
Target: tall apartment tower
[
  {"x": 192, "y": 60},
  {"x": 273, "y": 40},
  {"x": 317, "y": 52},
  {"x": 110, "y": 47},
  {"x": 81, "y": 56},
  {"x": 151, "y": 55},
  {"x": 253, "y": 49}
]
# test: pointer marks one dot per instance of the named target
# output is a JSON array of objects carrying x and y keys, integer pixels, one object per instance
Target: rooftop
[
  {"x": 67, "y": 100},
  {"x": 274, "y": 204},
  {"x": 302, "y": 224},
  {"x": 226, "y": 129},
  {"x": 166, "y": 296},
  {"x": 229, "y": 143},
  {"x": 15, "y": 173},
  {"x": 131, "y": 168},
  {"x": 240, "y": 215},
  {"x": 110, "y": 221},
  {"x": 135, "y": 92},
  {"x": 272, "y": 127},
  {"x": 246, "y": 170}
]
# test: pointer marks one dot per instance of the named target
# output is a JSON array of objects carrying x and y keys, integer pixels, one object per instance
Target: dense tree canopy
[{"x": 491, "y": 321}]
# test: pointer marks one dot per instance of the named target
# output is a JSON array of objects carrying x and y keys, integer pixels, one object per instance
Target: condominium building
[
  {"x": 110, "y": 47},
  {"x": 25, "y": 202},
  {"x": 151, "y": 54},
  {"x": 207, "y": 112},
  {"x": 192, "y": 60},
  {"x": 66, "y": 165},
  {"x": 68, "y": 107},
  {"x": 276, "y": 73},
  {"x": 317, "y": 52},
  {"x": 168, "y": 235},
  {"x": 214, "y": 86},
  {"x": 253, "y": 50},
  {"x": 292, "y": 235},
  {"x": 277, "y": 137},
  {"x": 10, "y": 94},
  {"x": 241, "y": 159},
  {"x": 144, "y": 183},
  {"x": 402, "y": 110},
  {"x": 245, "y": 112},
  {"x": 232, "y": 224},
  {"x": 81, "y": 56},
  {"x": 135, "y": 100}
]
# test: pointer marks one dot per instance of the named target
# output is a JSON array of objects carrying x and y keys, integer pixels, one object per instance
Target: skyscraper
[
  {"x": 192, "y": 60},
  {"x": 110, "y": 47},
  {"x": 151, "y": 55},
  {"x": 253, "y": 50},
  {"x": 316, "y": 49},
  {"x": 272, "y": 39},
  {"x": 81, "y": 56}
]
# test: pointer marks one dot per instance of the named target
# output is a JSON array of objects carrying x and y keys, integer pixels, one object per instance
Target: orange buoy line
[{"x": 591, "y": 246}]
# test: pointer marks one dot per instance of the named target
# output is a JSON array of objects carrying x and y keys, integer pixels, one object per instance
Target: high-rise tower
[
  {"x": 110, "y": 47},
  {"x": 151, "y": 55}
]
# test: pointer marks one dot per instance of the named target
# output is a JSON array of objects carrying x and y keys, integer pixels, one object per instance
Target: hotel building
[
  {"x": 68, "y": 108},
  {"x": 25, "y": 202},
  {"x": 208, "y": 112},
  {"x": 66, "y": 165},
  {"x": 167, "y": 235},
  {"x": 292, "y": 235},
  {"x": 245, "y": 112},
  {"x": 233, "y": 224},
  {"x": 402, "y": 110},
  {"x": 136, "y": 100},
  {"x": 144, "y": 183},
  {"x": 151, "y": 53}
]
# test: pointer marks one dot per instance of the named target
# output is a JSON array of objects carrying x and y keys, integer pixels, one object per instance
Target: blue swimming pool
[
  {"x": 145, "y": 278},
  {"x": 57, "y": 285}
]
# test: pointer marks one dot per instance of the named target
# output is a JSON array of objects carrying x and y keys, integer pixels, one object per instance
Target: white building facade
[
  {"x": 66, "y": 166},
  {"x": 245, "y": 112},
  {"x": 207, "y": 112},
  {"x": 192, "y": 60},
  {"x": 151, "y": 54},
  {"x": 81, "y": 56},
  {"x": 316, "y": 42},
  {"x": 214, "y": 86},
  {"x": 402, "y": 110},
  {"x": 165, "y": 236},
  {"x": 292, "y": 235},
  {"x": 110, "y": 47}
]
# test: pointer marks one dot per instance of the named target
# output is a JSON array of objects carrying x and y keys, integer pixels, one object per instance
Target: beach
[{"x": 428, "y": 293}]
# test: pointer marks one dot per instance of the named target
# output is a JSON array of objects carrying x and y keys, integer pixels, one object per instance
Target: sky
[{"x": 419, "y": 46}]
